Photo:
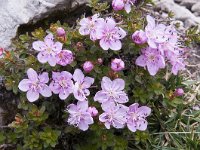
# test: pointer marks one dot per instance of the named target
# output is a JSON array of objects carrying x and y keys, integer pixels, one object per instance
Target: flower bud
[
  {"x": 100, "y": 61},
  {"x": 117, "y": 65},
  {"x": 139, "y": 37},
  {"x": 179, "y": 92},
  {"x": 60, "y": 31},
  {"x": 88, "y": 66},
  {"x": 118, "y": 4},
  {"x": 93, "y": 111}
]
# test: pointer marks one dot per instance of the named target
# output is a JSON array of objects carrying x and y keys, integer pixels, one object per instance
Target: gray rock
[
  {"x": 188, "y": 3},
  {"x": 196, "y": 8},
  {"x": 180, "y": 12},
  {"x": 14, "y": 13}
]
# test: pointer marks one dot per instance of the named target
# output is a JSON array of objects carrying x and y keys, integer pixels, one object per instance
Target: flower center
[
  {"x": 134, "y": 116},
  {"x": 49, "y": 50}
]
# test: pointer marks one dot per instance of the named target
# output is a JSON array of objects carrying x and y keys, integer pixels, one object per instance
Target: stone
[
  {"x": 14, "y": 13},
  {"x": 180, "y": 12},
  {"x": 196, "y": 8},
  {"x": 188, "y": 3}
]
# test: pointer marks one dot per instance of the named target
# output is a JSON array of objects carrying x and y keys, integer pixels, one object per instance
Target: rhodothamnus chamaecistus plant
[{"x": 129, "y": 94}]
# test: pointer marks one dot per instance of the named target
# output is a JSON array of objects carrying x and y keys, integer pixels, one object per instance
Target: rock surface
[
  {"x": 14, "y": 13},
  {"x": 180, "y": 11}
]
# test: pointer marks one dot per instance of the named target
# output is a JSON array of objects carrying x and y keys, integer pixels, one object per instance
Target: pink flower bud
[
  {"x": 60, "y": 32},
  {"x": 93, "y": 111},
  {"x": 100, "y": 61},
  {"x": 88, "y": 66},
  {"x": 139, "y": 37},
  {"x": 117, "y": 65},
  {"x": 179, "y": 92},
  {"x": 118, "y": 4}
]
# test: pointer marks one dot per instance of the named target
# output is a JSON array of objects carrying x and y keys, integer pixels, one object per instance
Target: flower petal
[
  {"x": 118, "y": 84},
  {"x": 104, "y": 45},
  {"x": 87, "y": 82},
  {"x": 45, "y": 91},
  {"x": 83, "y": 126},
  {"x": 152, "y": 68},
  {"x": 83, "y": 105},
  {"x": 32, "y": 96},
  {"x": 39, "y": 46},
  {"x": 101, "y": 97},
  {"x": 44, "y": 77},
  {"x": 32, "y": 74},
  {"x": 127, "y": 7},
  {"x": 78, "y": 76},
  {"x": 106, "y": 84},
  {"x": 141, "y": 61},
  {"x": 42, "y": 57},
  {"x": 115, "y": 45},
  {"x": 63, "y": 94},
  {"x": 24, "y": 85}
]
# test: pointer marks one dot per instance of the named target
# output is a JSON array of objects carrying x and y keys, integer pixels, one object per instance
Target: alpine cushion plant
[{"x": 116, "y": 75}]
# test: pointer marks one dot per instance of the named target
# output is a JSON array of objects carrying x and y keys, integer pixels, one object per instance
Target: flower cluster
[
  {"x": 112, "y": 97},
  {"x": 104, "y": 30},
  {"x": 123, "y": 4},
  {"x": 163, "y": 46},
  {"x": 51, "y": 52},
  {"x": 61, "y": 84}
]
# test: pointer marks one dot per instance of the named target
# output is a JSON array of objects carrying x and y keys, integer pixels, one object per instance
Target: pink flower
[
  {"x": 155, "y": 33},
  {"x": 110, "y": 35},
  {"x": 35, "y": 85},
  {"x": 81, "y": 86},
  {"x": 60, "y": 31},
  {"x": 123, "y": 4},
  {"x": 64, "y": 58},
  {"x": 88, "y": 66},
  {"x": 114, "y": 115},
  {"x": 62, "y": 84},
  {"x": 90, "y": 25},
  {"x": 118, "y": 4},
  {"x": 47, "y": 50},
  {"x": 117, "y": 65},
  {"x": 179, "y": 92},
  {"x": 93, "y": 111},
  {"x": 139, "y": 37},
  {"x": 152, "y": 59},
  {"x": 136, "y": 118},
  {"x": 78, "y": 115},
  {"x": 112, "y": 91}
]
